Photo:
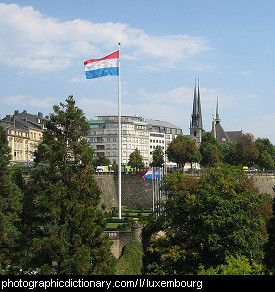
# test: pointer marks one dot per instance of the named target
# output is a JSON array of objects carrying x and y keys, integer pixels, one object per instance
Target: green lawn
[{"x": 113, "y": 223}]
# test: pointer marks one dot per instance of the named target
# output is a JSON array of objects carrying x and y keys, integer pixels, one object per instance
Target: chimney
[
  {"x": 8, "y": 118},
  {"x": 40, "y": 115},
  {"x": 16, "y": 112}
]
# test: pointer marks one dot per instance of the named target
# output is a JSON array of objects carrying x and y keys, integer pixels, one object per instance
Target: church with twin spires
[{"x": 217, "y": 131}]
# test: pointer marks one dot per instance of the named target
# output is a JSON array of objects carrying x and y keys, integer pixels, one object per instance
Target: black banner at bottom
[{"x": 188, "y": 283}]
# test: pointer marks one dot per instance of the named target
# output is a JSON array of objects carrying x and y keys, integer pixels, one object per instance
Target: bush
[{"x": 131, "y": 262}]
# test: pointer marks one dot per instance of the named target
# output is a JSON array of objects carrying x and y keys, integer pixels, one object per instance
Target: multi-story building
[
  {"x": 137, "y": 132},
  {"x": 103, "y": 137},
  {"x": 24, "y": 134},
  {"x": 161, "y": 133}
]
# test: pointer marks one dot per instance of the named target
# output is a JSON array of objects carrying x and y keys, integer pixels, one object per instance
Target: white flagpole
[{"x": 119, "y": 138}]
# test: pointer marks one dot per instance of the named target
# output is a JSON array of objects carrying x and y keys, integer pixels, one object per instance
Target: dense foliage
[
  {"x": 62, "y": 225},
  {"x": 10, "y": 206},
  {"x": 207, "y": 220},
  {"x": 135, "y": 159},
  {"x": 182, "y": 150},
  {"x": 158, "y": 157},
  {"x": 131, "y": 262},
  {"x": 247, "y": 151}
]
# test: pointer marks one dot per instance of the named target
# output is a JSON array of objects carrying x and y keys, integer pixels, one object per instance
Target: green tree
[
  {"x": 266, "y": 158},
  {"x": 102, "y": 160},
  {"x": 182, "y": 150},
  {"x": 206, "y": 220},
  {"x": 265, "y": 161},
  {"x": 158, "y": 157},
  {"x": 247, "y": 150},
  {"x": 135, "y": 159},
  {"x": 61, "y": 218},
  {"x": 10, "y": 207},
  {"x": 211, "y": 150},
  {"x": 265, "y": 145},
  {"x": 270, "y": 246},
  {"x": 229, "y": 153},
  {"x": 234, "y": 266}
]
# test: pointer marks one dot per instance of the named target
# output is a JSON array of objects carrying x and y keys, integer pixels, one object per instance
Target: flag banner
[
  {"x": 155, "y": 173},
  {"x": 108, "y": 65}
]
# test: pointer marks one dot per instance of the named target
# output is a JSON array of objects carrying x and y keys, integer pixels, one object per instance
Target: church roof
[{"x": 225, "y": 136}]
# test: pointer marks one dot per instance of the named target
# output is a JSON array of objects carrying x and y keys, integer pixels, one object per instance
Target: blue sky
[{"x": 229, "y": 45}]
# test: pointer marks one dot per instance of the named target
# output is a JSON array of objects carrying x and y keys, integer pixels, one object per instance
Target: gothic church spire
[{"x": 196, "y": 117}]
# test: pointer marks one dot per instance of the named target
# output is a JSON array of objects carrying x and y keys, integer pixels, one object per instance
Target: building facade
[
  {"x": 137, "y": 132},
  {"x": 161, "y": 134},
  {"x": 24, "y": 134}
]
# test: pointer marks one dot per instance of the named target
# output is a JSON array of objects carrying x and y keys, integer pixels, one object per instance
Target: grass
[{"x": 113, "y": 223}]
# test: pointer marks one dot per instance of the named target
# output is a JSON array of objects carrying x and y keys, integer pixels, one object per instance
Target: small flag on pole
[
  {"x": 154, "y": 173},
  {"x": 108, "y": 65}
]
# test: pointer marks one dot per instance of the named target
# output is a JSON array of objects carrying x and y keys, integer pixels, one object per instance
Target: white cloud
[
  {"x": 26, "y": 101},
  {"x": 174, "y": 106},
  {"x": 30, "y": 40}
]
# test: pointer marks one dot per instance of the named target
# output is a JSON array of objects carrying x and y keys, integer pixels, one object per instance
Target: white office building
[{"x": 137, "y": 132}]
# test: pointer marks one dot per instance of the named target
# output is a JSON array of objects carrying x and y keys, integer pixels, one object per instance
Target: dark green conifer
[
  {"x": 66, "y": 227},
  {"x": 10, "y": 206}
]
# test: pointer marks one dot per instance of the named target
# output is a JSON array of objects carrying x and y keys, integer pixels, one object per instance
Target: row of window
[
  {"x": 156, "y": 141},
  {"x": 125, "y": 154}
]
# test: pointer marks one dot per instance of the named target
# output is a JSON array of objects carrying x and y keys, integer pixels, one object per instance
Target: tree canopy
[
  {"x": 206, "y": 220},
  {"x": 62, "y": 221},
  {"x": 182, "y": 150},
  {"x": 158, "y": 157},
  {"x": 211, "y": 150},
  {"x": 10, "y": 206},
  {"x": 135, "y": 159}
]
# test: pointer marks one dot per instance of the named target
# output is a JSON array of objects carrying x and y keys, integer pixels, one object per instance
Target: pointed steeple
[
  {"x": 199, "y": 104},
  {"x": 196, "y": 129},
  {"x": 195, "y": 107},
  {"x": 196, "y": 117},
  {"x": 217, "y": 111}
]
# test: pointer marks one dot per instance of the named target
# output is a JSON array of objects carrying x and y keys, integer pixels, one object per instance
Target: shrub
[{"x": 131, "y": 261}]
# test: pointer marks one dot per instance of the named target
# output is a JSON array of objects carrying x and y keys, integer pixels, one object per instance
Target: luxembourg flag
[
  {"x": 108, "y": 65},
  {"x": 148, "y": 174},
  {"x": 154, "y": 173}
]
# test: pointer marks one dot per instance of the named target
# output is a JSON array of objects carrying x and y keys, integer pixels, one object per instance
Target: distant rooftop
[{"x": 161, "y": 123}]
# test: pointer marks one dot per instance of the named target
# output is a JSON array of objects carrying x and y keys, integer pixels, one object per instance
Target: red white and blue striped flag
[
  {"x": 108, "y": 65},
  {"x": 154, "y": 173}
]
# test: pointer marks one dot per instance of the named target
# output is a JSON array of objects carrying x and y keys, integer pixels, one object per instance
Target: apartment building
[
  {"x": 103, "y": 137},
  {"x": 24, "y": 134},
  {"x": 137, "y": 132},
  {"x": 162, "y": 133}
]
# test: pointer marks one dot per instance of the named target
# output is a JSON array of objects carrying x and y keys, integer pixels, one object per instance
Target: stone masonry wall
[
  {"x": 137, "y": 193},
  {"x": 109, "y": 194},
  {"x": 265, "y": 183},
  {"x": 122, "y": 238}
]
